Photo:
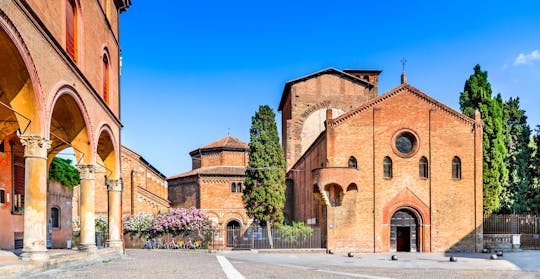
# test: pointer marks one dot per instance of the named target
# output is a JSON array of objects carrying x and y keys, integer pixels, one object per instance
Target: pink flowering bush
[{"x": 183, "y": 221}]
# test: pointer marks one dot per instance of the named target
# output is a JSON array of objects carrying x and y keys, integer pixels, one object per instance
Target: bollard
[
  {"x": 394, "y": 258},
  {"x": 350, "y": 254}
]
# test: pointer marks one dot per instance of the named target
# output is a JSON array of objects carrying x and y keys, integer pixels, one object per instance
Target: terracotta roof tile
[
  {"x": 227, "y": 141},
  {"x": 215, "y": 170}
]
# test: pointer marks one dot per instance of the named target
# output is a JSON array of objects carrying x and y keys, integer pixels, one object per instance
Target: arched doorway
[
  {"x": 233, "y": 233},
  {"x": 404, "y": 231}
]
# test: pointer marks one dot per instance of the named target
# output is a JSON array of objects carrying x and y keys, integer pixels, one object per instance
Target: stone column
[
  {"x": 87, "y": 208},
  {"x": 35, "y": 198},
  {"x": 114, "y": 189}
]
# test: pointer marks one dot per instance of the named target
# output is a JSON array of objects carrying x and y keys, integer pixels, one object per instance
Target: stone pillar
[
  {"x": 87, "y": 208},
  {"x": 114, "y": 189},
  {"x": 35, "y": 198}
]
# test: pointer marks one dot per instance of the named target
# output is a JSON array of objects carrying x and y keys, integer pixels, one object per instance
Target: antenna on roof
[{"x": 228, "y": 132}]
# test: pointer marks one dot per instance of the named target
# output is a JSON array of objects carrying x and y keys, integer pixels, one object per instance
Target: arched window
[
  {"x": 239, "y": 187},
  {"x": 233, "y": 188},
  {"x": 352, "y": 162},
  {"x": 352, "y": 187},
  {"x": 423, "y": 167},
  {"x": 387, "y": 167},
  {"x": 456, "y": 168},
  {"x": 55, "y": 217},
  {"x": 71, "y": 29},
  {"x": 106, "y": 78}
]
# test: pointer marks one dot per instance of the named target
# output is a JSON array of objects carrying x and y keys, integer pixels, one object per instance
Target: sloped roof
[
  {"x": 226, "y": 143},
  {"x": 211, "y": 171},
  {"x": 333, "y": 71},
  {"x": 125, "y": 149},
  {"x": 394, "y": 92}
]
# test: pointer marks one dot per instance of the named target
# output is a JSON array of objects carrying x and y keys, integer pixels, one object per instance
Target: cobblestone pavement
[{"x": 201, "y": 264}]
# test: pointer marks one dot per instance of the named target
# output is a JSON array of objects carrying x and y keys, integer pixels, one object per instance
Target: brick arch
[
  {"x": 112, "y": 164},
  {"x": 9, "y": 28},
  {"x": 409, "y": 201}
]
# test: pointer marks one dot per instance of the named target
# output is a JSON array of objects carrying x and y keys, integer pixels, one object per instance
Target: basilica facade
[{"x": 398, "y": 171}]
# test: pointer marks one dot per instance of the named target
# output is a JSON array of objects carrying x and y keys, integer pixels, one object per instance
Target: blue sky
[{"x": 192, "y": 70}]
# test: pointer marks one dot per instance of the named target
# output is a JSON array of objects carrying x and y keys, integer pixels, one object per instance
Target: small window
[
  {"x": 352, "y": 187},
  {"x": 233, "y": 188},
  {"x": 71, "y": 29},
  {"x": 423, "y": 167},
  {"x": 55, "y": 217},
  {"x": 456, "y": 168},
  {"x": 105, "y": 78},
  {"x": 387, "y": 167},
  {"x": 352, "y": 162},
  {"x": 2, "y": 196},
  {"x": 239, "y": 187}
]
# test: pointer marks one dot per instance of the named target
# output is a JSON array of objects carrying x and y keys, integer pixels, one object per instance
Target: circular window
[{"x": 405, "y": 143}]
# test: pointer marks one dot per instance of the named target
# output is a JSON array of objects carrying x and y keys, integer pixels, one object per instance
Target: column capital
[
  {"x": 35, "y": 146},
  {"x": 87, "y": 172},
  {"x": 114, "y": 185}
]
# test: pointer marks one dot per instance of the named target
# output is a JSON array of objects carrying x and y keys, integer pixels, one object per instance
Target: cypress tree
[
  {"x": 264, "y": 194},
  {"x": 477, "y": 94},
  {"x": 518, "y": 190}
]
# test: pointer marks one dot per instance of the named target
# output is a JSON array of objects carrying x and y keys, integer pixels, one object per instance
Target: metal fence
[
  {"x": 257, "y": 238},
  {"x": 528, "y": 226}
]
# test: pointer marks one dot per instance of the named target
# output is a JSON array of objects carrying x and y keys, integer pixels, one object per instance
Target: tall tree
[
  {"x": 535, "y": 172},
  {"x": 477, "y": 95},
  {"x": 518, "y": 191},
  {"x": 264, "y": 194}
]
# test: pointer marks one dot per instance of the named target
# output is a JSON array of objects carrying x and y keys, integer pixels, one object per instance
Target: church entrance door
[
  {"x": 404, "y": 231},
  {"x": 233, "y": 233}
]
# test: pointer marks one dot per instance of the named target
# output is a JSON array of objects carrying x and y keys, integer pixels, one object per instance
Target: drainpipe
[{"x": 132, "y": 192}]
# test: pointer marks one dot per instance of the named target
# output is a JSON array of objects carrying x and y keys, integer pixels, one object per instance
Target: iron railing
[
  {"x": 528, "y": 226},
  {"x": 257, "y": 238}
]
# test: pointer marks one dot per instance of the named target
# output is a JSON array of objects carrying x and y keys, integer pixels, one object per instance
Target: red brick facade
[
  {"x": 339, "y": 182},
  {"x": 209, "y": 185}
]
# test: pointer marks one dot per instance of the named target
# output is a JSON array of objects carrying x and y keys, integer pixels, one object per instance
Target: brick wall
[{"x": 445, "y": 206}]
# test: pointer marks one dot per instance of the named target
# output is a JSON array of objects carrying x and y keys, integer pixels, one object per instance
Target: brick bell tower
[{"x": 305, "y": 100}]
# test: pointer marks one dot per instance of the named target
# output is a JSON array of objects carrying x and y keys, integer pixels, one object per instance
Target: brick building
[
  {"x": 59, "y": 88},
  {"x": 215, "y": 185},
  {"x": 144, "y": 187},
  {"x": 395, "y": 172}
]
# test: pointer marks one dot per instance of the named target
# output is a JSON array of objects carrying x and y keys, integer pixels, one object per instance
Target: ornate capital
[
  {"x": 35, "y": 146},
  {"x": 114, "y": 185},
  {"x": 86, "y": 171}
]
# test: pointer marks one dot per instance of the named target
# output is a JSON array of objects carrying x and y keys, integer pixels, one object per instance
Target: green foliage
[
  {"x": 264, "y": 194},
  {"x": 295, "y": 231},
  {"x": 477, "y": 95},
  {"x": 518, "y": 192},
  {"x": 535, "y": 172},
  {"x": 62, "y": 171},
  {"x": 102, "y": 224}
]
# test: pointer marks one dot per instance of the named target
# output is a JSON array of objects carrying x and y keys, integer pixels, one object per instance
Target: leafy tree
[
  {"x": 62, "y": 171},
  {"x": 477, "y": 95},
  {"x": 535, "y": 172},
  {"x": 264, "y": 194},
  {"x": 518, "y": 191}
]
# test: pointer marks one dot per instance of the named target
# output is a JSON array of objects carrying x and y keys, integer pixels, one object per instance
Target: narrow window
[
  {"x": 456, "y": 168},
  {"x": 387, "y": 166},
  {"x": 239, "y": 187},
  {"x": 352, "y": 162},
  {"x": 423, "y": 167},
  {"x": 55, "y": 217},
  {"x": 233, "y": 188},
  {"x": 105, "y": 78},
  {"x": 2, "y": 196},
  {"x": 71, "y": 29}
]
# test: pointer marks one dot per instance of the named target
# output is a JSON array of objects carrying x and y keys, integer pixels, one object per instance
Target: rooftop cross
[{"x": 403, "y": 62}]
